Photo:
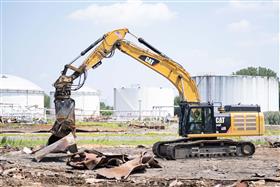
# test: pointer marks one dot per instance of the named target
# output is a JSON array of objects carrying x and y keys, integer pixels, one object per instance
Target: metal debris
[
  {"x": 64, "y": 144},
  {"x": 124, "y": 170},
  {"x": 113, "y": 166},
  {"x": 275, "y": 144},
  {"x": 92, "y": 159}
]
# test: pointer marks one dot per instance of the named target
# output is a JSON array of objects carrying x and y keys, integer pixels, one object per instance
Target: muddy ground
[
  {"x": 262, "y": 169},
  {"x": 19, "y": 169}
]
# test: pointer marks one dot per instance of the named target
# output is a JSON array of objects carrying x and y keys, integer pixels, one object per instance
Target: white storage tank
[
  {"x": 235, "y": 89},
  {"x": 143, "y": 102},
  {"x": 87, "y": 102},
  {"x": 20, "y": 97}
]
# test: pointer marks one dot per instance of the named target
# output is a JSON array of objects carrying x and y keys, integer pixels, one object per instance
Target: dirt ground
[{"x": 263, "y": 169}]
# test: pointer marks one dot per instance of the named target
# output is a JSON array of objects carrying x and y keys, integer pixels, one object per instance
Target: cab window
[{"x": 195, "y": 121}]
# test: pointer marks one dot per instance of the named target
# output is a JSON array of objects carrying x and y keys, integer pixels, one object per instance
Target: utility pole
[{"x": 140, "y": 109}]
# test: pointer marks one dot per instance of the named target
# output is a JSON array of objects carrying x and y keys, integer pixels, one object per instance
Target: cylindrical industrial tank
[
  {"x": 87, "y": 102},
  {"x": 20, "y": 97},
  {"x": 235, "y": 89},
  {"x": 144, "y": 102}
]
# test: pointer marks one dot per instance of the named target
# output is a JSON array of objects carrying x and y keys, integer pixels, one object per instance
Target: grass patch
[
  {"x": 9, "y": 141},
  {"x": 94, "y": 134},
  {"x": 16, "y": 125},
  {"x": 269, "y": 132},
  {"x": 25, "y": 134},
  {"x": 6, "y": 141},
  {"x": 102, "y": 124},
  {"x": 108, "y": 142},
  {"x": 260, "y": 142},
  {"x": 160, "y": 134},
  {"x": 91, "y": 124}
]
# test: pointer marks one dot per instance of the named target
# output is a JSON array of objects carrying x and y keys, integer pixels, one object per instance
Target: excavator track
[{"x": 188, "y": 148}]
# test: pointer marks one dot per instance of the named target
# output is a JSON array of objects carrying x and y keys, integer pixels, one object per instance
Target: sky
[{"x": 206, "y": 37}]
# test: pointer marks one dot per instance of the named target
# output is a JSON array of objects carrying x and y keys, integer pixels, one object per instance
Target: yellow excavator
[{"x": 203, "y": 126}]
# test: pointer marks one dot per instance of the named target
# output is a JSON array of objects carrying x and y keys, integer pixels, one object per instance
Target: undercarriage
[{"x": 190, "y": 148}]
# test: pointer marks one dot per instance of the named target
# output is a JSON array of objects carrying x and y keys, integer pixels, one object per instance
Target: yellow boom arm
[
  {"x": 171, "y": 70},
  {"x": 160, "y": 63}
]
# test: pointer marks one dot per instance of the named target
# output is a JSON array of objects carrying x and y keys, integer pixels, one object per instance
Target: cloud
[
  {"x": 228, "y": 64},
  {"x": 240, "y": 26},
  {"x": 237, "y": 6},
  {"x": 276, "y": 38},
  {"x": 129, "y": 12},
  {"x": 253, "y": 6},
  {"x": 262, "y": 39},
  {"x": 218, "y": 65}
]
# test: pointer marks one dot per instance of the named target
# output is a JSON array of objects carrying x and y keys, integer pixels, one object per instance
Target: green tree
[
  {"x": 253, "y": 71},
  {"x": 46, "y": 101},
  {"x": 177, "y": 100},
  {"x": 103, "y": 106}
]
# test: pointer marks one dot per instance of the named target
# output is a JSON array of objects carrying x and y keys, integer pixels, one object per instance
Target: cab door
[{"x": 201, "y": 120}]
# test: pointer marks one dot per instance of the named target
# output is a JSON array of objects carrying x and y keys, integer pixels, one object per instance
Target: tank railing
[
  {"x": 114, "y": 115},
  {"x": 27, "y": 114},
  {"x": 10, "y": 112}
]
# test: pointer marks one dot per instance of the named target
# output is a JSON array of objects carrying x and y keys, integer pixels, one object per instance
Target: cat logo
[
  {"x": 150, "y": 60},
  {"x": 220, "y": 119}
]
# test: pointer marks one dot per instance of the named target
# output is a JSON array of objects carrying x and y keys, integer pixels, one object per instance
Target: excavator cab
[{"x": 196, "y": 119}]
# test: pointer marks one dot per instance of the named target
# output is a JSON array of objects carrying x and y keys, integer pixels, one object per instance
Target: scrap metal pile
[
  {"x": 274, "y": 144},
  {"x": 109, "y": 166},
  {"x": 112, "y": 166}
]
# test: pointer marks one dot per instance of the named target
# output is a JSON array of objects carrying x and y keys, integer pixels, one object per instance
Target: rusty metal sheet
[
  {"x": 124, "y": 170},
  {"x": 118, "y": 166},
  {"x": 64, "y": 144},
  {"x": 92, "y": 159},
  {"x": 150, "y": 161},
  {"x": 85, "y": 160}
]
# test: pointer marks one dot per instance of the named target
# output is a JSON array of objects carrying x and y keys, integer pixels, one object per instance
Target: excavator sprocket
[{"x": 188, "y": 148}]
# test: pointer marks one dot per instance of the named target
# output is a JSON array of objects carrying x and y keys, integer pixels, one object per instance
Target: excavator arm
[
  {"x": 105, "y": 49},
  {"x": 153, "y": 58},
  {"x": 163, "y": 65}
]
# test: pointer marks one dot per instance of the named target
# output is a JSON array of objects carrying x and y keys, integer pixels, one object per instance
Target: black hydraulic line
[
  {"x": 92, "y": 46},
  {"x": 142, "y": 41},
  {"x": 82, "y": 54}
]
